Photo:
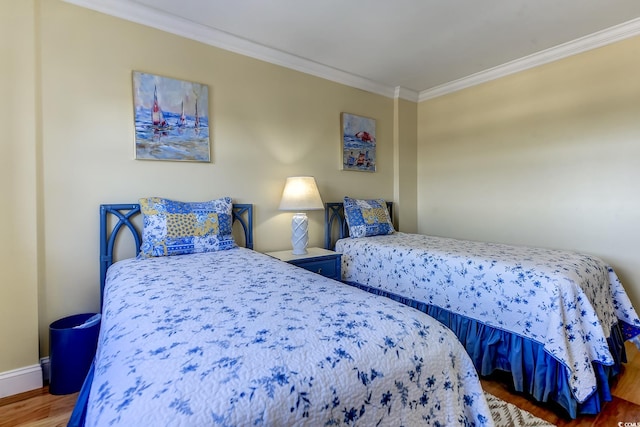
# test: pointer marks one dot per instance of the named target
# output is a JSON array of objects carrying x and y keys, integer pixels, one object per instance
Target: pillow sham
[
  {"x": 176, "y": 228},
  {"x": 367, "y": 217}
]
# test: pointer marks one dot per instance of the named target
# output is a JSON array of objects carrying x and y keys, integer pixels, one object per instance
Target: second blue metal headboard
[{"x": 334, "y": 214}]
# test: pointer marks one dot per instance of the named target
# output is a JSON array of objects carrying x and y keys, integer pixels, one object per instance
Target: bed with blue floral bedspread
[
  {"x": 237, "y": 338},
  {"x": 223, "y": 335},
  {"x": 555, "y": 319}
]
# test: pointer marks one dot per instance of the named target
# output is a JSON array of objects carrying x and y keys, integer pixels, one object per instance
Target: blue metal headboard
[
  {"x": 123, "y": 214},
  {"x": 334, "y": 214}
]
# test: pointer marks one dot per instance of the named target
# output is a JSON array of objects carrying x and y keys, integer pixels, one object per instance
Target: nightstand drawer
[
  {"x": 325, "y": 267},
  {"x": 317, "y": 260}
]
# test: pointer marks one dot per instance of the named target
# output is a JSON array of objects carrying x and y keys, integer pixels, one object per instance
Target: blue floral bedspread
[
  {"x": 564, "y": 300},
  {"x": 237, "y": 338}
]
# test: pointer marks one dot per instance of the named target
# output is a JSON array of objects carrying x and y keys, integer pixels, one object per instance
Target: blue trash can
[{"x": 72, "y": 346}]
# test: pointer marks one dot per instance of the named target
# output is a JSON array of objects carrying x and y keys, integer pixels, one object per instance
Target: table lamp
[{"x": 300, "y": 194}]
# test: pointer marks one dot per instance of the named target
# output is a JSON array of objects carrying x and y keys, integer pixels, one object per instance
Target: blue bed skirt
[
  {"x": 534, "y": 371},
  {"x": 79, "y": 414}
]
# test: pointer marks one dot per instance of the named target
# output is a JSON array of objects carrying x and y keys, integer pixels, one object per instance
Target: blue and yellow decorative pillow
[
  {"x": 367, "y": 217},
  {"x": 177, "y": 228}
]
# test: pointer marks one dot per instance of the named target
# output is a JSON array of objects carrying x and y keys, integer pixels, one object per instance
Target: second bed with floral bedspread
[{"x": 568, "y": 302}]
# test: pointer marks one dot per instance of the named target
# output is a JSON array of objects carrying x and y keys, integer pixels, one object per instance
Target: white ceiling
[{"x": 415, "y": 49}]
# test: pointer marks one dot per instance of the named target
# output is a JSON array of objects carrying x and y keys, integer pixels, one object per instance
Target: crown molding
[
  {"x": 141, "y": 14},
  {"x": 583, "y": 44},
  {"x": 160, "y": 20},
  {"x": 406, "y": 94}
]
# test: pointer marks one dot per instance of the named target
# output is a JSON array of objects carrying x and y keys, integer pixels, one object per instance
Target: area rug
[{"x": 506, "y": 414}]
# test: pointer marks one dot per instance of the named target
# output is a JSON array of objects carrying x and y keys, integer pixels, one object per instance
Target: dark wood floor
[
  {"x": 624, "y": 408},
  {"x": 38, "y": 408}
]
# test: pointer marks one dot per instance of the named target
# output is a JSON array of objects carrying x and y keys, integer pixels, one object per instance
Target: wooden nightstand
[{"x": 318, "y": 260}]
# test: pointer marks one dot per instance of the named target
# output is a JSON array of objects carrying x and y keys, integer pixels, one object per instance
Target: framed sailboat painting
[{"x": 171, "y": 119}]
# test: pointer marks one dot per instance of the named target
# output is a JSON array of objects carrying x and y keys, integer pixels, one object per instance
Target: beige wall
[
  {"x": 406, "y": 167},
  {"x": 18, "y": 225},
  {"x": 68, "y": 145},
  {"x": 267, "y": 123},
  {"x": 546, "y": 157}
]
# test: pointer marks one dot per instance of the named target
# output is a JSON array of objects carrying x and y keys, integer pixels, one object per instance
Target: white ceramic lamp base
[{"x": 299, "y": 233}]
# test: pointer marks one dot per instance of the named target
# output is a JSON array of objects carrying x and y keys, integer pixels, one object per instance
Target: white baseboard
[
  {"x": 44, "y": 362},
  {"x": 20, "y": 380}
]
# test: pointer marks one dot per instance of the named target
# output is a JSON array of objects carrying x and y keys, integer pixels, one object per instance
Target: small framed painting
[
  {"x": 358, "y": 143},
  {"x": 171, "y": 119}
]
